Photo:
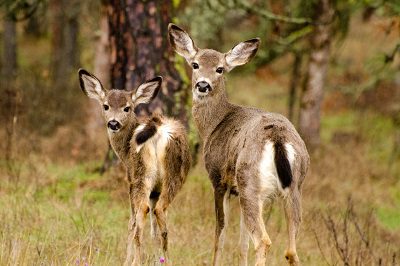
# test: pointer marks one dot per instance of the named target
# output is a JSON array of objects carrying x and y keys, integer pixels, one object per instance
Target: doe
[
  {"x": 155, "y": 153},
  {"x": 247, "y": 152}
]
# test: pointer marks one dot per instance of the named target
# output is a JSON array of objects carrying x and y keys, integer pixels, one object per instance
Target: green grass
[
  {"x": 389, "y": 217},
  {"x": 57, "y": 222},
  {"x": 344, "y": 121},
  {"x": 389, "y": 213}
]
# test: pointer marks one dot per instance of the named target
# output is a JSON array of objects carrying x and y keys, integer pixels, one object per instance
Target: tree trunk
[
  {"x": 120, "y": 41},
  {"x": 140, "y": 51},
  {"x": 64, "y": 41},
  {"x": 152, "y": 55},
  {"x": 9, "y": 64},
  {"x": 294, "y": 82},
  {"x": 102, "y": 70},
  {"x": 9, "y": 99},
  {"x": 313, "y": 89},
  {"x": 102, "y": 62}
]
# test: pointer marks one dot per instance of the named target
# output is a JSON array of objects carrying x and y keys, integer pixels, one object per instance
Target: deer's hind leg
[
  {"x": 251, "y": 205},
  {"x": 244, "y": 241},
  {"x": 252, "y": 214},
  {"x": 170, "y": 188},
  {"x": 139, "y": 208},
  {"x": 292, "y": 207},
  {"x": 154, "y": 196}
]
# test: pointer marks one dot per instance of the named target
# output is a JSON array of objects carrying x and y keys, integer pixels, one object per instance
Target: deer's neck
[
  {"x": 208, "y": 113},
  {"x": 120, "y": 141}
]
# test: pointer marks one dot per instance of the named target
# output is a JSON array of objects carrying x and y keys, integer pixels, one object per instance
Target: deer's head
[
  {"x": 209, "y": 65},
  {"x": 118, "y": 105}
]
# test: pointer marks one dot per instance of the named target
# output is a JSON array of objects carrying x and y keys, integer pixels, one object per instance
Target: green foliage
[
  {"x": 207, "y": 21},
  {"x": 21, "y": 9}
]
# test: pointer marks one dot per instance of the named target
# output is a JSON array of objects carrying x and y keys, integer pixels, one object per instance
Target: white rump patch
[
  {"x": 290, "y": 153},
  {"x": 269, "y": 179}
]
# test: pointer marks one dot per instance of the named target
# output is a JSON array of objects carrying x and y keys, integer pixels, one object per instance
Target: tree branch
[
  {"x": 269, "y": 15},
  {"x": 264, "y": 13}
]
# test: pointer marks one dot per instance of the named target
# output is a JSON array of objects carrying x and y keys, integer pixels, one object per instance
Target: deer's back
[{"x": 240, "y": 138}]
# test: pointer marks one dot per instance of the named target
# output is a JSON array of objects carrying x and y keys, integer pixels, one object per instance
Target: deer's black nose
[
  {"x": 203, "y": 86},
  {"x": 114, "y": 125}
]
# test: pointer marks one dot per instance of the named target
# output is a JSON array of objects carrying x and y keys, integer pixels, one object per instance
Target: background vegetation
[{"x": 55, "y": 206}]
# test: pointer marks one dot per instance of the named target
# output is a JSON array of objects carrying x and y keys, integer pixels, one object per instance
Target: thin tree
[
  {"x": 64, "y": 41},
  {"x": 313, "y": 89},
  {"x": 8, "y": 79}
]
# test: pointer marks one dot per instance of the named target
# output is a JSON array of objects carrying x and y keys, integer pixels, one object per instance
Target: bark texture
[
  {"x": 119, "y": 42},
  {"x": 140, "y": 51},
  {"x": 313, "y": 88}
]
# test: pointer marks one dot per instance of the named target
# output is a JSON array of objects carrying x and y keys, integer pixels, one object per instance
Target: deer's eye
[
  {"x": 126, "y": 109},
  {"x": 220, "y": 70},
  {"x": 106, "y": 107},
  {"x": 195, "y": 66}
]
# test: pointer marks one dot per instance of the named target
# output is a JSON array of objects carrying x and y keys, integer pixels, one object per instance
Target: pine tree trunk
[
  {"x": 313, "y": 89},
  {"x": 140, "y": 51},
  {"x": 120, "y": 42},
  {"x": 152, "y": 54}
]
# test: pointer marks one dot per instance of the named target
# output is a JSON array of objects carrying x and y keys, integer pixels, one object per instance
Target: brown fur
[
  {"x": 234, "y": 139},
  {"x": 156, "y": 169}
]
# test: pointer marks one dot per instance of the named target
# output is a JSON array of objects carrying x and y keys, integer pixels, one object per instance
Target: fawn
[
  {"x": 155, "y": 153},
  {"x": 247, "y": 152}
]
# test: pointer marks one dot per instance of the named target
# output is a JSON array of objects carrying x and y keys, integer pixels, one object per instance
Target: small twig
[
  {"x": 390, "y": 57},
  {"x": 320, "y": 247},
  {"x": 330, "y": 224}
]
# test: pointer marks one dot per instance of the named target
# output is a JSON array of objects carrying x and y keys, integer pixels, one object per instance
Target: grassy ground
[{"x": 61, "y": 212}]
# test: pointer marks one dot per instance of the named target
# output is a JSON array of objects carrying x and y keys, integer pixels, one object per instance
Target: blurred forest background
[{"x": 331, "y": 66}]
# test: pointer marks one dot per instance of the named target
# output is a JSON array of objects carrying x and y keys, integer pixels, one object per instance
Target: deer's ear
[
  {"x": 147, "y": 91},
  {"x": 181, "y": 42},
  {"x": 241, "y": 53},
  {"x": 91, "y": 85}
]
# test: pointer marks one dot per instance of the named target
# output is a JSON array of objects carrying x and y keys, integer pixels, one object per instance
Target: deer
[
  {"x": 154, "y": 151},
  {"x": 255, "y": 155}
]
